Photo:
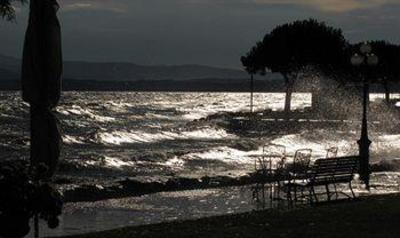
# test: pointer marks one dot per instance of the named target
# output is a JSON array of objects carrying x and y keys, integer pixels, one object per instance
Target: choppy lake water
[{"x": 111, "y": 134}]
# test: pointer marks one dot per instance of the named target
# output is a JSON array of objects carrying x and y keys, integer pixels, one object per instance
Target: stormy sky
[{"x": 207, "y": 32}]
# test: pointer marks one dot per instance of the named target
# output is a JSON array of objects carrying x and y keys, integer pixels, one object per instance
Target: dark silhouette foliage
[
  {"x": 6, "y": 9},
  {"x": 22, "y": 196},
  {"x": 290, "y": 48},
  {"x": 388, "y": 69}
]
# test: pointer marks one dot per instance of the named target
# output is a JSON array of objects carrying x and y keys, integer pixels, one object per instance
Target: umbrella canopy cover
[
  {"x": 41, "y": 81},
  {"x": 42, "y": 57}
]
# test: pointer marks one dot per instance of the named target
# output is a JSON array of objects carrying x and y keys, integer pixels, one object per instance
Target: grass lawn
[{"x": 377, "y": 216}]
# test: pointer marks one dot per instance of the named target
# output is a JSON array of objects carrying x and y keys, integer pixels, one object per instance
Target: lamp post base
[{"x": 364, "y": 169}]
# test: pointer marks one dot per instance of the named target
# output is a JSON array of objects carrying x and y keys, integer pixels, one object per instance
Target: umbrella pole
[
  {"x": 36, "y": 224},
  {"x": 32, "y": 164}
]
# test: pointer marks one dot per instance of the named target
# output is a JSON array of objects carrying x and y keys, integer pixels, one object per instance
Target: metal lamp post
[{"x": 365, "y": 59}]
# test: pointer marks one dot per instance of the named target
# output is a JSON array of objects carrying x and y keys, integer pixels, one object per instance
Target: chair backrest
[
  {"x": 301, "y": 161},
  {"x": 338, "y": 167},
  {"x": 274, "y": 150},
  {"x": 271, "y": 154},
  {"x": 331, "y": 152}
]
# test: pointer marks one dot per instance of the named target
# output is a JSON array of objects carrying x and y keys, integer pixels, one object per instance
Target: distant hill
[
  {"x": 133, "y": 72},
  {"x": 9, "y": 64},
  {"x": 79, "y": 75},
  {"x": 115, "y": 71}
]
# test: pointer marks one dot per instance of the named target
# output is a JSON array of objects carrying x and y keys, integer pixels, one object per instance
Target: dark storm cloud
[{"x": 212, "y": 32}]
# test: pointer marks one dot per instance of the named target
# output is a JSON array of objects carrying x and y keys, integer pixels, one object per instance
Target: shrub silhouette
[{"x": 22, "y": 197}]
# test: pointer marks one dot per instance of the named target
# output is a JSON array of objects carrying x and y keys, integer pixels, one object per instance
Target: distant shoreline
[{"x": 195, "y": 85}]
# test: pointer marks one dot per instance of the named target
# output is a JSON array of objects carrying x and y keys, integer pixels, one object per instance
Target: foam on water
[
  {"x": 78, "y": 110},
  {"x": 128, "y": 137},
  {"x": 158, "y": 132},
  {"x": 227, "y": 154},
  {"x": 319, "y": 147}
]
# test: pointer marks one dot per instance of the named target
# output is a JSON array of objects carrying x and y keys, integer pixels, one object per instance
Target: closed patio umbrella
[{"x": 41, "y": 82}]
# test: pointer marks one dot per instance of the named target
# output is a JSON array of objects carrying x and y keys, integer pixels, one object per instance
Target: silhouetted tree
[
  {"x": 291, "y": 48},
  {"x": 388, "y": 69},
  {"x": 252, "y": 63}
]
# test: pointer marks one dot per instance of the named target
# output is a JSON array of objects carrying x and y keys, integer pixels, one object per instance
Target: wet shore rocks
[{"x": 132, "y": 187}]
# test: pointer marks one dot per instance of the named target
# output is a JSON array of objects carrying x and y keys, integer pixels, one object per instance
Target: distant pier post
[{"x": 251, "y": 92}]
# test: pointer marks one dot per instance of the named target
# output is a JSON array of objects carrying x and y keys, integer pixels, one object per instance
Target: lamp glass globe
[
  {"x": 372, "y": 60},
  {"x": 357, "y": 60}
]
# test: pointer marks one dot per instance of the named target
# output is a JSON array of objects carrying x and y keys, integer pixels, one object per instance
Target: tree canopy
[
  {"x": 388, "y": 68},
  {"x": 290, "y": 47},
  {"x": 7, "y": 11}
]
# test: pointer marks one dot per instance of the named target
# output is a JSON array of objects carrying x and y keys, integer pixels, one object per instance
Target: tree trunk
[
  {"x": 289, "y": 92},
  {"x": 316, "y": 99},
  {"x": 387, "y": 92}
]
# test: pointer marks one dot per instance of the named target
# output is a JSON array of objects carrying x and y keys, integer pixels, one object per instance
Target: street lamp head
[
  {"x": 365, "y": 48},
  {"x": 372, "y": 60},
  {"x": 357, "y": 60}
]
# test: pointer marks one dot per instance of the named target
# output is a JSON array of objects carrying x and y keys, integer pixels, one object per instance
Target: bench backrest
[{"x": 340, "y": 168}]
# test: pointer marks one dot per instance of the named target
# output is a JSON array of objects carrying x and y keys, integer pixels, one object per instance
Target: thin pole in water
[{"x": 251, "y": 92}]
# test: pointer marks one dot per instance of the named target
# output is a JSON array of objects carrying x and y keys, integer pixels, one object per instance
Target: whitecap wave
[
  {"x": 226, "y": 154},
  {"x": 72, "y": 140},
  {"x": 78, "y": 110},
  {"x": 319, "y": 147},
  {"x": 129, "y": 137},
  {"x": 109, "y": 162}
]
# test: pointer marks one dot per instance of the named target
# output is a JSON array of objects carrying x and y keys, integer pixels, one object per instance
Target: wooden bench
[{"x": 325, "y": 172}]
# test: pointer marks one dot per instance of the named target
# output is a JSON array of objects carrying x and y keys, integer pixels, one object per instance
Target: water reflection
[{"x": 86, "y": 217}]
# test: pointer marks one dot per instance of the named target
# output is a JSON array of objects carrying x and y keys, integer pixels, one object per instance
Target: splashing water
[{"x": 156, "y": 134}]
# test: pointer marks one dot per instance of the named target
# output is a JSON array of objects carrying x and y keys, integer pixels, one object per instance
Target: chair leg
[
  {"x": 311, "y": 196},
  {"x": 289, "y": 196},
  {"x": 336, "y": 192},
  {"x": 351, "y": 189},
  {"x": 271, "y": 190}
]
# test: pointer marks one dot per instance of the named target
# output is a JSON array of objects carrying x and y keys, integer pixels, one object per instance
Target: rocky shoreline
[{"x": 131, "y": 187}]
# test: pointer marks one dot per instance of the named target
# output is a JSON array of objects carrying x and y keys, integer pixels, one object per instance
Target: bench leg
[
  {"x": 328, "y": 193},
  {"x": 314, "y": 194},
  {"x": 263, "y": 194}
]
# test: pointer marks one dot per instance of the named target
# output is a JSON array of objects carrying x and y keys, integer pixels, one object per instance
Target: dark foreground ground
[{"x": 377, "y": 216}]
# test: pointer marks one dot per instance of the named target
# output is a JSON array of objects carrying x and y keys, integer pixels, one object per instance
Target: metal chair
[
  {"x": 298, "y": 171},
  {"x": 331, "y": 153},
  {"x": 267, "y": 169}
]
